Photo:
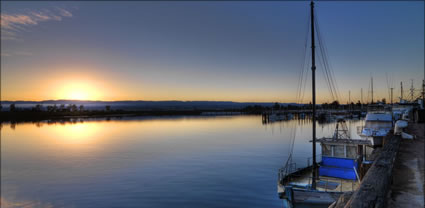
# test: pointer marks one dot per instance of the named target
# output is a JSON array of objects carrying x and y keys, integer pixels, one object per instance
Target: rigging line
[
  {"x": 323, "y": 63},
  {"x": 325, "y": 74},
  {"x": 300, "y": 78},
  {"x": 306, "y": 77},
  {"x": 306, "y": 66},
  {"x": 301, "y": 75},
  {"x": 334, "y": 83},
  {"x": 300, "y": 90},
  {"x": 328, "y": 68},
  {"x": 325, "y": 71}
]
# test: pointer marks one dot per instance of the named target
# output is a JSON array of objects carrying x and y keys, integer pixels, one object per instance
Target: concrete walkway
[{"x": 407, "y": 189}]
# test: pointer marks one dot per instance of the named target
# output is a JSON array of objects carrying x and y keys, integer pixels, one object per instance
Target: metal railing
[{"x": 291, "y": 168}]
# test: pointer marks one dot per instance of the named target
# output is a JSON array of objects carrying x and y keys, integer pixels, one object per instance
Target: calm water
[{"x": 150, "y": 162}]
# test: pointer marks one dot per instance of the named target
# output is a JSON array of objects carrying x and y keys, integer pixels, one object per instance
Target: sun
[
  {"x": 79, "y": 91},
  {"x": 78, "y": 95}
]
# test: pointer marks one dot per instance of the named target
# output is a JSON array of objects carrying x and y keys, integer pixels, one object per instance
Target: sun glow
[{"x": 79, "y": 91}]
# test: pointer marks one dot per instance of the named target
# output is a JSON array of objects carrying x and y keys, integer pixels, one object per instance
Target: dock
[
  {"x": 396, "y": 177},
  {"x": 407, "y": 189}
]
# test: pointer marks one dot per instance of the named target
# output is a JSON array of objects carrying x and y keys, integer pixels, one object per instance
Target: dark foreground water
[{"x": 150, "y": 162}]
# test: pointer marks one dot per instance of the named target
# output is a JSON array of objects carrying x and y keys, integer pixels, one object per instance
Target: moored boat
[
  {"x": 337, "y": 173},
  {"x": 377, "y": 125}
]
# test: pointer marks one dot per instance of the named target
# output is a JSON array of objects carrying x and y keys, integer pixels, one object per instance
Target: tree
[
  {"x": 37, "y": 108},
  {"x": 335, "y": 104},
  {"x": 12, "y": 107},
  {"x": 69, "y": 108},
  {"x": 358, "y": 104},
  {"x": 81, "y": 108},
  {"x": 276, "y": 106},
  {"x": 108, "y": 108},
  {"x": 74, "y": 108},
  {"x": 62, "y": 108},
  {"x": 49, "y": 108}
]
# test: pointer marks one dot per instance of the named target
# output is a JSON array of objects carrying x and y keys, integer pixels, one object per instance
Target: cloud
[
  {"x": 17, "y": 53},
  {"x": 64, "y": 12},
  {"x": 12, "y": 24}
]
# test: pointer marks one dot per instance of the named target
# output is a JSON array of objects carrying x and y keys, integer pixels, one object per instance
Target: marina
[{"x": 212, "y": 104}]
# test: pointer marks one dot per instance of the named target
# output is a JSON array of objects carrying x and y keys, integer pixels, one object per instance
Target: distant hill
[{"x": 145, "y": 105}]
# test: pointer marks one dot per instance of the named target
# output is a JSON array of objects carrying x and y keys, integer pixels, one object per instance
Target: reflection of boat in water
[
  {"x": 377, "y": 126},
  {"x": 276, "y": 117},
  {"x": 337, "y": 172}
]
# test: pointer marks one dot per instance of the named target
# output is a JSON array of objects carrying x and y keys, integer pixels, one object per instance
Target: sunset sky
[{"x": 218, "y": 51}]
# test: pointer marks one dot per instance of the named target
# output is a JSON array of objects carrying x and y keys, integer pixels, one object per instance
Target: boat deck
[{"x": 328, "y": 184}]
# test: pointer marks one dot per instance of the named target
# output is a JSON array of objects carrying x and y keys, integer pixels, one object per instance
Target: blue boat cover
[{"x": 338, "y": 167}]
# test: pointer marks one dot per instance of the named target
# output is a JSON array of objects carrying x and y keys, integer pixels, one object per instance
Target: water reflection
[{"x": 228, "y": 161}]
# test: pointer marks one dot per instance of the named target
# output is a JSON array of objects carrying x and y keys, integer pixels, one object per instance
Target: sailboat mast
[
  {"x": 371, "y": 81},
  {"x": 313, "y": 70}
]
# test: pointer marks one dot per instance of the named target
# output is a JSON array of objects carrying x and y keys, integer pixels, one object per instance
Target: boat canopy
[{"x": 379, "y": 117}]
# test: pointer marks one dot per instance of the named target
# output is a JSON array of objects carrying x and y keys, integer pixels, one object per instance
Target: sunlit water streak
[{"x": 227, "y": 161}]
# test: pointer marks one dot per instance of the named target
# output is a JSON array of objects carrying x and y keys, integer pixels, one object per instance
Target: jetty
[{"x": 396, "y": 177}]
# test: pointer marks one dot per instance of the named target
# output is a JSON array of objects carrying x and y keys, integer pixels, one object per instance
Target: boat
[
  {"x": 337, "y": 173},
  {"x": 321, "y": 184},
  {"x": 377, "y": 125}
]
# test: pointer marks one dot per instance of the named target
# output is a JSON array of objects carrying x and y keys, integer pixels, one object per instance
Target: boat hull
[{"x": 307, "y": 198}]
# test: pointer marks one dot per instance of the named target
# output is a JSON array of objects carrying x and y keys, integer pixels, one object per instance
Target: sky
[{"x": 201, "y": 50}]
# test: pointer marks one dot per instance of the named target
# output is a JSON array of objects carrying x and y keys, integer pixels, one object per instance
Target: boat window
[
  {"x": 351, "y": 152},
  {"x": 326, "y": 150},
  {"x": 339, "y": 151},
  {"x": 369, "y": 151}
]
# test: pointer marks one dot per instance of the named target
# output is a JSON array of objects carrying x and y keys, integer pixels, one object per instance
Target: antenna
[
  {"x": 361, "y": 97},
  {"x": 349, "y": 96},
  {"x": 411, "y": 91},
  {"x": 423, "y": 93},
  {"x": 371, "y": 81},
  {"x": 401, "y": 91}
]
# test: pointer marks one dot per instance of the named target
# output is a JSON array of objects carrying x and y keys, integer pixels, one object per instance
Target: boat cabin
[{"x": 341, "y": 157}]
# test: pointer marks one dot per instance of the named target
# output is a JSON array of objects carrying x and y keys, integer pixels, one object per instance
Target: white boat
[{"x": 377, "y": 126}]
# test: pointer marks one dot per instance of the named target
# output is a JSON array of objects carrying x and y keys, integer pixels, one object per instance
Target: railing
[
  {"x": 368, "y": 131},
  {"x": 318, "y": 159},
  {"x": 291, "y": 168}
]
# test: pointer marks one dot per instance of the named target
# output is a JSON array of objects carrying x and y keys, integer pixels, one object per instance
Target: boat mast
[
  {"x": 371, "y": 81},
  {"x": 313, "y": 70}
]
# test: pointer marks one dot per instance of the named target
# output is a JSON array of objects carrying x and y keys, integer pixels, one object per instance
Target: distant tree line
[{"x": 53, "y": 108}]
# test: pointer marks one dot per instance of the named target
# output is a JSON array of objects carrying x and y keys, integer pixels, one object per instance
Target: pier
[
  {"x": 396, "y": 177},
  {"x": 407, "y": 189}
]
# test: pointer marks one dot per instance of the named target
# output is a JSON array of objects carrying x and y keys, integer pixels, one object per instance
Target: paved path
[{"x": 407, "y": 189}]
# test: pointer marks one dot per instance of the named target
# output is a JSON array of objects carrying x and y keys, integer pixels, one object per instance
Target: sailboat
[{"x": 321, "y": 184}]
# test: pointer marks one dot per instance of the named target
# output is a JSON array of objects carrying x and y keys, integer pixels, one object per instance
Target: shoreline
[{"x": 30, "y": 116}]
